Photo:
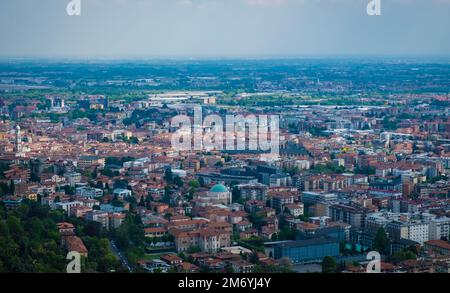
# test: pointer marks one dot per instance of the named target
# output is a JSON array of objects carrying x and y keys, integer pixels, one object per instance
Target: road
[{"x": 120, "y": 255}]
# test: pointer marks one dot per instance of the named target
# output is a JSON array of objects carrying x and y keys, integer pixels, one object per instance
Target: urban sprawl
[{"x": 87, "y": 165}]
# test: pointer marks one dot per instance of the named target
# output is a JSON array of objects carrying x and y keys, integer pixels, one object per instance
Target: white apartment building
[
  {"x": 67, "y": 206},
  {"x": 303, "y": 164},
  {"x": 415, "y": 231},
  {"x": 122, "y": 193},
  {"x": 98, "y": 216},
  {"x": 439, "y": 228},
  {"x": 73, "y": 178},
  {"x": 418, "y": 232},
  {"x": 89, "y": 192}
]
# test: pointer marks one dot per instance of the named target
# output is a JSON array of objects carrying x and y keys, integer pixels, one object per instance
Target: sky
[{"x": 222, "y": 28}]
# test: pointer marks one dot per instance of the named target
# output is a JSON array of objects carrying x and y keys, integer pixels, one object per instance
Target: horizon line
[{"x": 220, "y": 57}]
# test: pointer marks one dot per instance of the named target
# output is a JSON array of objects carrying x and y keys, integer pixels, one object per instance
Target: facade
[
  {"x": 253, "y": 191},
  {"x": 415, "y": 231},
  {"x": 278, "y": 202},
  {"x": 439, "y": 246},
  {"x": 439, "y": 228},
  {"x": 98, "y": 216},
  {"x": 73, "y": 178},
  {"x": 397, "y": 230},
  {"x": 67, "y": 206},
  {"x": 122, "y": 193},
  {"x": 207, "y": 239},
  {"x": 303, "y": 251},
  {"x": 89, "y": 192},
  {"x": 347, "y": 214},
  {"x": 295, "y": 209},
  {"x": 418, "y": 232},
  {"x": 89, "y": 161},
  {"x": 242, "y": 267}
]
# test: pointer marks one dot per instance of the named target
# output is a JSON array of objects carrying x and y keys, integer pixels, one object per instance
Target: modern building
[
  {"x": 303, "y": 251},
  {"x": 439, "y": 228},
  {"x": 348, "y": 214},
  {"x": 256, "y": 191},
  {"x": 279, "y": 201},
  {"x": 67, "y": 206},
  {"x": 122, "y": 193},
  {"x": 415, "y": 231},
  {"x": 98, "y": 216},
  {"x": 418, "y": 232},
  {"x": 89, "y": 192},
  {"x": 89, "y": 161},
  {"x": 73, "y": 178}
]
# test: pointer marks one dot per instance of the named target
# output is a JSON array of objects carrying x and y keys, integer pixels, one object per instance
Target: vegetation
[
  {"x": 329, "y": 265},
  {"x": 403, "y": 255},
  {"x": 29, "y": 240},
  {"x": 381, "y": 241},
  {"x": 130, "y": 238}
]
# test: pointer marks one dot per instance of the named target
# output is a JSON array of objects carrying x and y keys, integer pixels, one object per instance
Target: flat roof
[{"x": 302, "y": 243}]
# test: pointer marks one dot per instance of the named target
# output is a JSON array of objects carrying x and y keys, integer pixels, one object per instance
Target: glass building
[{"x": 304, "y": 251}]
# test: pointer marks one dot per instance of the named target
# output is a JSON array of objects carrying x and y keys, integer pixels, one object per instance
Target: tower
[{"x": 18, "y": 140}]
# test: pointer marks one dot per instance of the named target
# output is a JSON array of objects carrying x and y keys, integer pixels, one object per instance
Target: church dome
[{"x": 219, "y": 188}]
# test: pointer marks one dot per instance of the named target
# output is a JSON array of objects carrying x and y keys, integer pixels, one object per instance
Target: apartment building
[
  {"x": 348, "y": 214},
  {"x": 207, "y": 239},
  {"x": 439, "y": 228},
  {"x": 89, "y": 192}
]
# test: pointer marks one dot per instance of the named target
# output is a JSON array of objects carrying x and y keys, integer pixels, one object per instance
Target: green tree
[
  {"x": 193, "y": 249},
  {"x": 168, "y": 175},
  {"x": 402, "y": 255},
  {"x": 194, "y": 184},
  {"x": 381, "y": 241},
  {"x": 329, "y": 265},
  {"x": 178, "y": 181}
]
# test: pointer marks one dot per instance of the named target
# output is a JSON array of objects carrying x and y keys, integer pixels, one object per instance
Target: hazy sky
[{"x": 220, "y": 28}]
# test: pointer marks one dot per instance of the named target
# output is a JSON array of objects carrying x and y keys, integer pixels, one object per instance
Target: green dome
[{"x": 219, "y": 188}]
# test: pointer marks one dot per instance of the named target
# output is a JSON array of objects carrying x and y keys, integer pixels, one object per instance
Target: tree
[
  {"x": 168, "y": 175},
  {"x": 235, "y": 194},
  {"x": 108, "y": 172},
  {"x": 402, "y": 255},
  {"x": 381, "y": 241},
  {"x": 123, "y": 183},
  {"x": 28, "y": 241},
  {"x": 194, "y": 184},
  {"x": 142, "y": 202},
  {"x": 193, "y": 249},
  {"x": 178, "y": 181},
  {"x": 254, "y": 257},
  {"x": 201, "y": 181},
  {"x": 329, "y": 265},
  {"x": 166, "y": 197}
]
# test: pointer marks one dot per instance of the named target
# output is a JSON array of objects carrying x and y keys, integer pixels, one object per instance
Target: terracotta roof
[
  {"x": 187, "y": 266},
  {"x": 74, "y": 243},
  {"x": 439, "y": 243},
  {"x": 171, "y": 258}
]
